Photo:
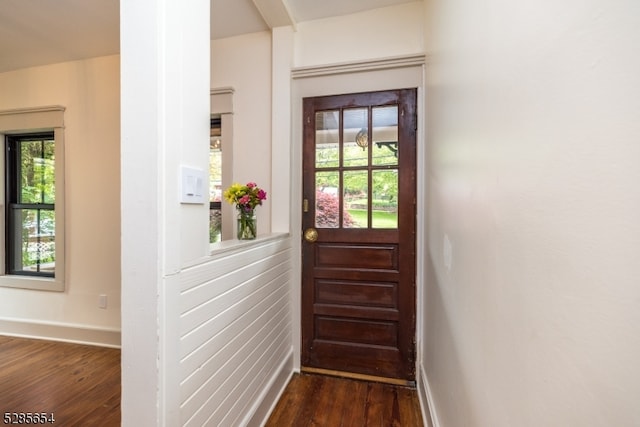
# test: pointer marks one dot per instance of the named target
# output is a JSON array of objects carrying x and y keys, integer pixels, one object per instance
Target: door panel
[{"x": 358, "y": 284}]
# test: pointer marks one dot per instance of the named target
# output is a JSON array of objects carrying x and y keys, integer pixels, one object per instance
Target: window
[
  {"x": 32, "y": 237},
  {"x": 30, "y": 205},
  {"x": 215, "y": 180},
  {"x": 351, "y": 172},
  {"x": 221, "y": 216}
]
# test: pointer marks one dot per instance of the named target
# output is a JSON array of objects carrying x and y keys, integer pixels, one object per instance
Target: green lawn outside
[{"x": 380, "y": 219}]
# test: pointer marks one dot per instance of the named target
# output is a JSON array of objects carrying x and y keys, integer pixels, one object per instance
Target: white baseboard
[
  {"x": 427, "y": 405},
  {"x": 271, "y": 394},
  {"x": 78, "y": 334}
]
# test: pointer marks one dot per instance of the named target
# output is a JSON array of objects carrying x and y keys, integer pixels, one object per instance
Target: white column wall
[
  {"x": 282, "y": 61},
  {"x": 165, "y": 124}
]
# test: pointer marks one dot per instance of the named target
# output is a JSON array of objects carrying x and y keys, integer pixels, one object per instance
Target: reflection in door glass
[
  {"x": 356, "y": 199},
  {"x": 327, "y": 199},
  {"x": 384, "y": 208},
  {"x": 327, "y": 138},
  {"x": 385, "y": 135},
  {"x": 356, "y": 137}
]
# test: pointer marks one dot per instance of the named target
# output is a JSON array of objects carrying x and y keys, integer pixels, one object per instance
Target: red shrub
[{"x": 328, "y": 212}]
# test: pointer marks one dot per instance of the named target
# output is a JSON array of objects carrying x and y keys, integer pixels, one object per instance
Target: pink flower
[{"x": 245, "y": 197}]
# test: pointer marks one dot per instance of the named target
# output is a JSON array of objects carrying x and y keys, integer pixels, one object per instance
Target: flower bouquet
[{"x": 246, "y": 198}]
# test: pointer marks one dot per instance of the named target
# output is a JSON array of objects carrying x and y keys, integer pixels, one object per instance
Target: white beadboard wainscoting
[{"x": 235, "y": 342}]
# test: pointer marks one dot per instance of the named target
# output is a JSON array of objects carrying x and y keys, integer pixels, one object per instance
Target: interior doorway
[{"x": 359, "y": 223}]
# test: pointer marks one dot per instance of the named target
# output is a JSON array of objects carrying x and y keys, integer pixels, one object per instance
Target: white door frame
[{"x": 364, "y": 76}]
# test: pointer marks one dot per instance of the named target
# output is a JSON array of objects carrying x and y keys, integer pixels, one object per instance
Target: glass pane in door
[
  {"x": 356, "y": 199},
  {"x": 385, "y": 135},
  {"x": 327, "y": 199},
  {"x": 356, "y": 137},
  {"x": 327, "y": 139},
  {"x": 384, "y": 206}
]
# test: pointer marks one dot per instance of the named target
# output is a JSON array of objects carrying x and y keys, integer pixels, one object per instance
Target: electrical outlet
[{"x": 102, "y": 301}]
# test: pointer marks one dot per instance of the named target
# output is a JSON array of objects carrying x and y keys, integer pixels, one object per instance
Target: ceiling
[{"x": 40, "y": 32}]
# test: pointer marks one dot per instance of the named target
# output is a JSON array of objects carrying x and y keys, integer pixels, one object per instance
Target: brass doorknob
[{"x": 311, "y": 235}]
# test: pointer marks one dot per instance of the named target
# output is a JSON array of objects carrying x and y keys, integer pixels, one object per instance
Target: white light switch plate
[{"x": 192, "y": 185}]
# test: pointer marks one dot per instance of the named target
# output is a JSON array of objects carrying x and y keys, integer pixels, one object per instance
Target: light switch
[{"x": 192, "y": 187}]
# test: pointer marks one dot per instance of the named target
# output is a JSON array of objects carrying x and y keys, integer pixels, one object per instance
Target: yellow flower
[{"x": 231, "y": 193}]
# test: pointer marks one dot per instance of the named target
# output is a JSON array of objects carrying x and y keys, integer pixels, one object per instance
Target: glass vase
[{"x": 247, "y": 226}]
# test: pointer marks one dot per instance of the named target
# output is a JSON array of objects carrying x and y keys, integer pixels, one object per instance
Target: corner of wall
[
  {"x": 271, "y": 394},
  {"x": 427, "y": 405}
]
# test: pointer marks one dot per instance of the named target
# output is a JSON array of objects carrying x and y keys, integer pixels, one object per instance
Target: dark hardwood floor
[
  {"x": 317, "y": 400},
  {"x": 78, "y": 384}
]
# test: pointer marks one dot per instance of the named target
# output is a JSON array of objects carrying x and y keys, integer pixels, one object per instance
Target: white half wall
[{"x": 234, "y": 318}]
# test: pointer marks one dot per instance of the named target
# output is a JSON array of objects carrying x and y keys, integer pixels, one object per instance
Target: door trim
[
  {"x": 362, "y": 81},
  {"x": 359, "y": 66}
]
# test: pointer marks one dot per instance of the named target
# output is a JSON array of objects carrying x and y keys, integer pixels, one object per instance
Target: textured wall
[{"x": 235, "y": 332}]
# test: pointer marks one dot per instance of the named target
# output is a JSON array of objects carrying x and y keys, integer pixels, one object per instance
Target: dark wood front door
[{"x": 358, "y": 274}]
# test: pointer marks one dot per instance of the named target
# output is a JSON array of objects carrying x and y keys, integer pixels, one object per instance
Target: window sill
[
  {"x": 31, "y": 282},
  {"x": 227, "y": 246},
  {"x": 230, "y": 247}
]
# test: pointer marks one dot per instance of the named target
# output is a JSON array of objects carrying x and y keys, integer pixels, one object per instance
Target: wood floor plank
[
  {"x": 355, "y": 411},
  {"x": 78, "y": 384},
  {"x": 409, "y": 406},
  {"x": 316, "y": 400},
  {"x": 324, "y": 400},
  {"x": 340, "y": 392},
  {"x": 306, "y": 409}
]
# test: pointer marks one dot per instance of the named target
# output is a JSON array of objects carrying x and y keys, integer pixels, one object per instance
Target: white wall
[
  {"x": 90, "y": 91},
  {"x": 244, "y": 63},
  {"x": 533, "y": 304},
  {"x": 379, "y": 33}
]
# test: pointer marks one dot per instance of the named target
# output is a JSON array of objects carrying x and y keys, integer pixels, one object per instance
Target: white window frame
[
  {"x": 32, "y": 120},
  {"x": 222, "y": 104}
]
